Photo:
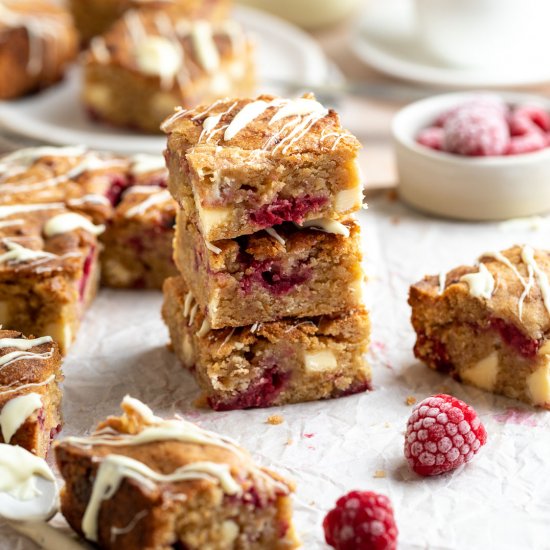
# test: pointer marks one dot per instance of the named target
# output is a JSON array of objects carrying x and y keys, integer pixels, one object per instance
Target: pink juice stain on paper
[{"x": 516, "y": 416}]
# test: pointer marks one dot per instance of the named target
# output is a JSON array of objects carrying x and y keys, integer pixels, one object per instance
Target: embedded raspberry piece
[
  {"x": 528, "y": 143},
  {"x": 475, "y": 132},
  {"x": 361, "y": 520},
  {"x": 431, "y": 137},
  {"x": 442, "y": 434}
]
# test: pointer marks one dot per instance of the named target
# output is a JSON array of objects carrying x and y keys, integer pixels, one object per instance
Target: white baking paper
[{"x": 501, "y": 500}]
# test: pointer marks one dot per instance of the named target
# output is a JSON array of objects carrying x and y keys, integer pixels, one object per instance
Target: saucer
[{"x": 386, "y": 39}]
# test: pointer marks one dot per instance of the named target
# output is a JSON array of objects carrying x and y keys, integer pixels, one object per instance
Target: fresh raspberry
[
  {"x": 361, "y": 520},
  {"x": 431, "y": 137},
  {"x": 535, "y": 114},
  {"x": 442, "y": 434},
  {"x": 534, "y": 141},
  {"x": 476, "y": 131}
]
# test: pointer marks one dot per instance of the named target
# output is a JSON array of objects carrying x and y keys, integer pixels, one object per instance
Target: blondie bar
[
  {"x": 93, "y": 17},
  {"x": 138, "y": 240},
  {"x": 488, "y": 325},
  {"x": 240, "y": 165},
  {"x": 48, "y": 269},
  {"x": 286, "y": 271},
  {"x": 30, "y": 398},
  {"x": 151, "y": 61},
  {"x": 37, "y": 41},
  {"x": 287, "y": 361},
  {"x": 140, "y": 481}
]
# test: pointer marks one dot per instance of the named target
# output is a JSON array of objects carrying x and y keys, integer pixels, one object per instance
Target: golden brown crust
[{"x": 37, "y": 40}]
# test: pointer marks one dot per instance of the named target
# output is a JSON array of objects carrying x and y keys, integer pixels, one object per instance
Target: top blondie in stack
[{"x": 268, "y": 309}]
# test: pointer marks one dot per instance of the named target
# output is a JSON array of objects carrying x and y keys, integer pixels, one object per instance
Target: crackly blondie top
[
  {"x": 511, "y": 285},
  {"x": 165, "y": 45},
  {"x": 83, "y": 179},
  {"x": 43, "y": 238},
  {"x": 267, "y": 123},
  {"x": 158, "y": 468}
]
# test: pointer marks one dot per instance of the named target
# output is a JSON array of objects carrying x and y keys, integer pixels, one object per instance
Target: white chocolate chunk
[
  {"x": 483, "y": 374},
  {"x": 327, "y": 225},
  {"x": 230, "y": 532},
  {"x": 320, "y": 361},
  {"x": 349, "y": 199},
  {"x": 481, "y": 284},
  {"x": 538, "y": 385},
  {"x": 64, "y": 223},
  {"x": 158, "y": 56},
  {"x": 212, "y": 218},
  {"x": 16, "y": 411}
]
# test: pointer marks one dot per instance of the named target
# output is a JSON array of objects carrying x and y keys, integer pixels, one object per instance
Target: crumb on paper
[
  {"x": 379, "y": 474},
  {"x": 411, "y": 400},
  {"x": 395, "y": 220},
  {"x": 392, "y": 195},
  {"x": 289, "y": 441},
  {"x": 201, "y": 402},
  {"x": 387, "y": 425},
  {"x": 275, "y": 419}
]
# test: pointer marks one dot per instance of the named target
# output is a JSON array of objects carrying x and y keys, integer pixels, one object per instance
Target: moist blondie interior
[
  {"x": 138, "y": 240},
  {"x": 266, "y": 364},
  {"x": 488, "y": 325},
  {"x": 286, "y": 271},
  {"x": 240, "y": 165},
  {"x": 143, "y": 482},
  {"x": 152, "y": 61},
  {"x": 37, "y": 41},
  {"x": 30, "y": 397},
  {"x": 49, "y": 270}
]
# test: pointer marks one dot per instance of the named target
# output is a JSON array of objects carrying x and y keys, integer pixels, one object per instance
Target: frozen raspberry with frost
[
  {"x": 442, "y": 434},
  {"x": 431, "y": 137},
  {"x": 535, "y": 114},
  {"x": 361, "y": 520},
  {"x": 488, "y": 102},
  {"x": 476, "y": 131},
  {"x": 528, "y": 143}
]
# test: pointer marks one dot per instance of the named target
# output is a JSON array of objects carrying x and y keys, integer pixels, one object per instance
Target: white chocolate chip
[{"x": 483, "y": 374}]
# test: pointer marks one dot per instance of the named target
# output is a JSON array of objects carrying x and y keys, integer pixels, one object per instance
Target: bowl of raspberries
[{"x": 475, "y": 155}]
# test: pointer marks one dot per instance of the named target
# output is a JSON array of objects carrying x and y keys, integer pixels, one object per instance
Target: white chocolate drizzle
[
  {"x": 481, "y": 284},
  {"x": 205, "y": 47},
  {"x": 19, "y": 254},
  {"x": 15, "y": 388},
  {"x": 187, "y": 304},
  {"x": 18, "y": 467},
  {"x": 272, "y": 233},
  {"x": 326, "y": 225},
  {"x": 9, "y": 210},
  {"x": 204, "y": 329},
  {"x": 442, "y": 281},
  {"x": 20, "y": 355},
  {"x": 212, "y": 247},
  {"x": 70, "y": 221},
  {"x": 157, "y": 198},
  {"x": 528, "y": 257},
  {"x": 115, "y": 468},
  {"x": 91, "y": 198},
  {"x": 16, "y": 411},
  {"x": 99, "y": 50},
  {"x": 143, "y": 164},
  {"x": 24, "y": 344}
]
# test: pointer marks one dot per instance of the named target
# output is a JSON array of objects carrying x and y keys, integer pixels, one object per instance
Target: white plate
[
  {"x": 284, "y": 53},
  {"x": 386, "y": 39}
]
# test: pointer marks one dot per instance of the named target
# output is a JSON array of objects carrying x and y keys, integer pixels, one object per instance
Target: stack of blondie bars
[{"x": 268, "y": 306}]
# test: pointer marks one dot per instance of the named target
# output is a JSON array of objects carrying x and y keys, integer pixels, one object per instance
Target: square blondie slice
[
  {"x": 30, "y": 397},
  {"x": 489, "y": 325},
  {"x": 241, "y": 165},
  {"x": 37, "y": 42},
  {"x": 286, "y": 271},
  {"x": 138, "y": 240},
  {"x": 152, "y": 61},
  {"x": 49, "y": 269},
  {"x": 267, "y": 364},
  {"x": 140, "y": 481}
]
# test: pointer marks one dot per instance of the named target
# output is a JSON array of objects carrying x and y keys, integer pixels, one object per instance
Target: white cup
[{"x": 484, "y": 33}]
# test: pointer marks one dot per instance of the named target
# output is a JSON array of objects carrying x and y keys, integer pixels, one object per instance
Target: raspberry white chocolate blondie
[
  {"x": 30, "y": 398},
  {"x": 240, "y": 165},
  {"x": 286, "y": 271},
  {"x": 140, "y": 481},
  {"x": 37, "y": 41},
  {"x": 287, "y": 361},
  {"x": 488, "y": 325},
  {"x": 93, "y": 17},
  {"x": 151, "y": 61},
  {"x": 138, "y": 240},
  {"x": 49, "y": 269}
]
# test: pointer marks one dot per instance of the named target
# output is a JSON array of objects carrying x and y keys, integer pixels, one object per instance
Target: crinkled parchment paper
[{"x": 499, "y": 501}]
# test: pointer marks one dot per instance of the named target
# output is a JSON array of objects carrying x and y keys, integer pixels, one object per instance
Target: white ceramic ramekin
[{"x": 469, "y": 188}]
